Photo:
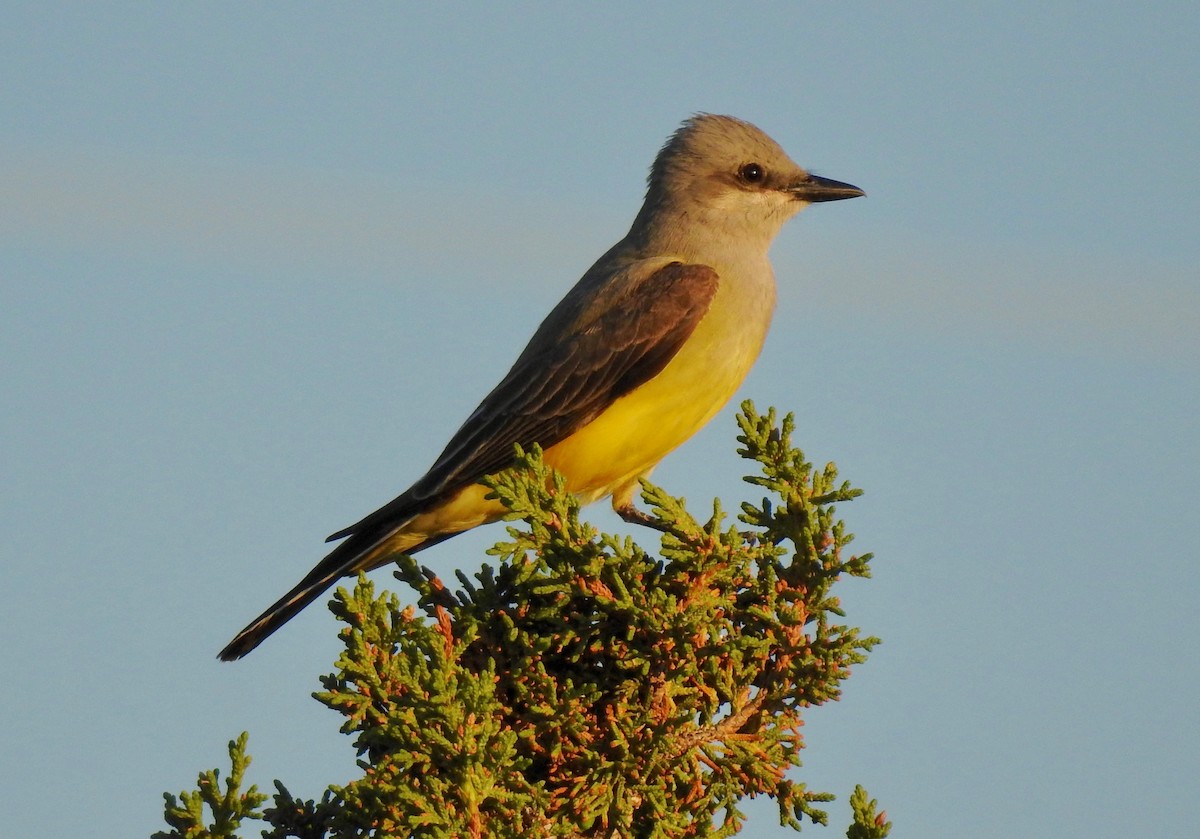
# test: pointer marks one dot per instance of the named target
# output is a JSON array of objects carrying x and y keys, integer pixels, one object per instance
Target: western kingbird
[{"x": 643, "y": 351}]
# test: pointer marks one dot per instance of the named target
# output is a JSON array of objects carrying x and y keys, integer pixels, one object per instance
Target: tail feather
[
  {"x": 344, "y": 560},
  {"x": 280, "y": 612}
]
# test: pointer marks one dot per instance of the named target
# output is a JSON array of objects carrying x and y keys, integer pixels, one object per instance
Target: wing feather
[
  {"x": 586, "y": 354},
  {"x": 567, "y": 376}
]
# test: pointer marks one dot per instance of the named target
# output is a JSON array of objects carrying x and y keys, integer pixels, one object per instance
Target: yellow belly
[
  {"x": 626, "y": 441},
  {"x": 638, "y": 430}
]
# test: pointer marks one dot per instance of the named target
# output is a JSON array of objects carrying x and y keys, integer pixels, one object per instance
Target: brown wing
[
  {"x": 575, "y": 366},
  {"x": 586, "y": 354}
]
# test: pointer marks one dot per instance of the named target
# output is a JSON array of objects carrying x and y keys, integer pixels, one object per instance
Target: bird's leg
[{"x": 633, "y": 515}]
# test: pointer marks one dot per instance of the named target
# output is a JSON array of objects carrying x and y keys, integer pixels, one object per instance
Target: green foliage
[
  {"x": 185, "y": 814},
  {"x": 582, "y": 687},
  {"x": 867, "y": 823}
]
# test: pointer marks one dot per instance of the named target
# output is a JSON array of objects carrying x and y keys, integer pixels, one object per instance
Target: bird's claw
[{"x": 633, "y": 515}]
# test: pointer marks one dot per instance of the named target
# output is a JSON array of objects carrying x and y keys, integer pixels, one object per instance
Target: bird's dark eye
[{"x": 751, "y": 173}]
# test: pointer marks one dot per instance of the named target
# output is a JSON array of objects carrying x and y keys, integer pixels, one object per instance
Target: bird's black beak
[{"x": 815, "y": 189}]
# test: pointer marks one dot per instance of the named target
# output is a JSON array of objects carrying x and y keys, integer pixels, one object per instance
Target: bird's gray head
[{"x": 718, "y": 169}]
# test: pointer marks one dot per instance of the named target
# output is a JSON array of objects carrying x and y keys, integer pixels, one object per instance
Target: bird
[{"x": 643, "y": 351}]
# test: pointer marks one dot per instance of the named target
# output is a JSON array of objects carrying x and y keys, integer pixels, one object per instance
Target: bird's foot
[{"x": 633, "y": 515}]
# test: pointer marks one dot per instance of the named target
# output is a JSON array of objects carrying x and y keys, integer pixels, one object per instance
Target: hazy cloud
[{"x": 350, "y": 222}]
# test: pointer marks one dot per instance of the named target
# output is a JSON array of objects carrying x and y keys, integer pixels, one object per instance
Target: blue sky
[{"x": 257, "y": 262}]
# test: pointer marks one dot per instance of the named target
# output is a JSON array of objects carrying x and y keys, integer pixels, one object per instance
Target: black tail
[
  {"x": 346, "y": 559},
  {"x": 284, "y": 609}
]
